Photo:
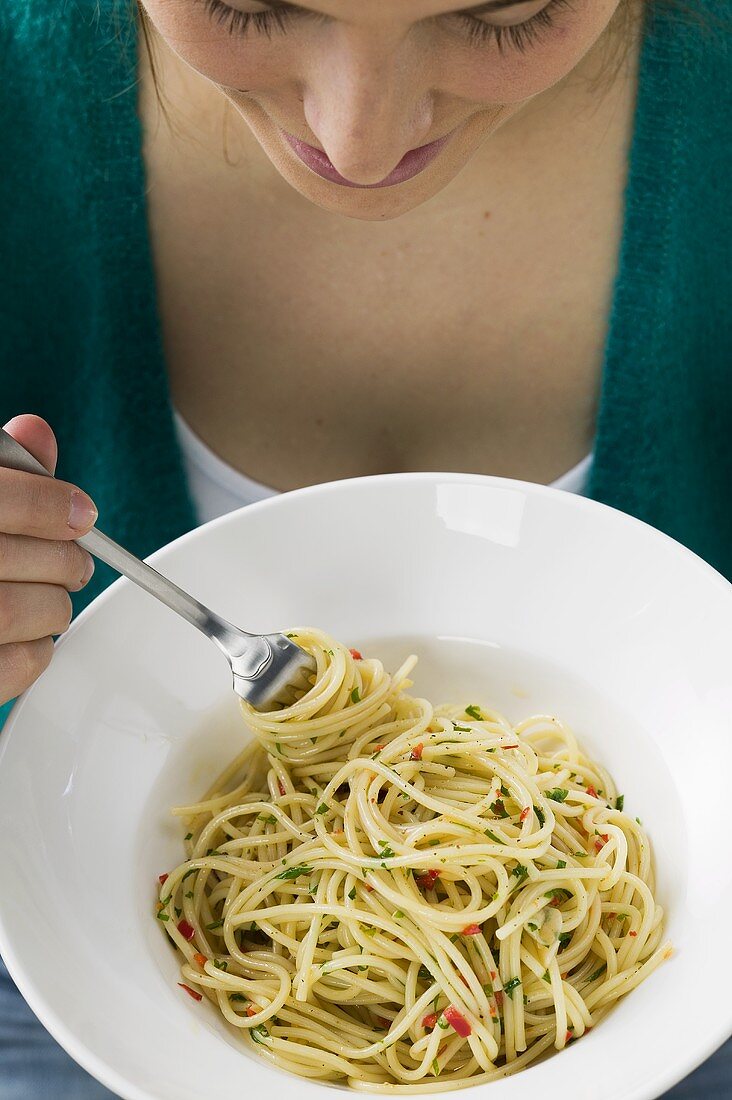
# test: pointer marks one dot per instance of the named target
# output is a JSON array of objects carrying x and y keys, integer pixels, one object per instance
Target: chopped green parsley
[{"x": 294, "y": 872}]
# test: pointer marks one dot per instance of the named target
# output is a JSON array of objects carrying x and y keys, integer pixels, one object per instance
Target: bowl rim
[{"x": 74, "y": 1045}]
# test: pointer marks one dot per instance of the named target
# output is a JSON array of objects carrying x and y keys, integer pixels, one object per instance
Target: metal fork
[{"x": 269, "y": 670}]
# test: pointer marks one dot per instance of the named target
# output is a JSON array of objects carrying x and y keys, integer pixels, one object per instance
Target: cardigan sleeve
[{"x": 80, "y": 340}]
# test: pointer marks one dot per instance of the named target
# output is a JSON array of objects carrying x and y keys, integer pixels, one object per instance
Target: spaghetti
[{"x": 409, "y": 898}]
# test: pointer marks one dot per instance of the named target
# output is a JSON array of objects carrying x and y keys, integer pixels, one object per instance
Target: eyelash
[{"x": 520, "y": 37}]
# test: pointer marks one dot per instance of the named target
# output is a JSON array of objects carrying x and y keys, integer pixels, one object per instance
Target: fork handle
[
  {"x": 15, "y": 457},
  {"x": 109, "y": 551}
]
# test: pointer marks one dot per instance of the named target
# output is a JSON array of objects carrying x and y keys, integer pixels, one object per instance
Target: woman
[{"x": 352, "y": 236}]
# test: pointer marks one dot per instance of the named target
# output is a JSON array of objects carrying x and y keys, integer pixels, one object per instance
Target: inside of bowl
[
  {"x": 450, "y": 669},
  {"x": 509, "y": 595}
]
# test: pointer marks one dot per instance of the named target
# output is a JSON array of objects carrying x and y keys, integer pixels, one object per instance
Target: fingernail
[
  {"x": 88, "y": 570},
  {"x": 83, "y": 513}
]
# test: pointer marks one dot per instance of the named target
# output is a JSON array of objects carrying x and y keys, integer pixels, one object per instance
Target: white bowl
[{"x": 514, "y": 594}]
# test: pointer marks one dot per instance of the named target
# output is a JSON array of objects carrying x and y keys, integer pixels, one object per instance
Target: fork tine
[{"x": 281, "y": 680}]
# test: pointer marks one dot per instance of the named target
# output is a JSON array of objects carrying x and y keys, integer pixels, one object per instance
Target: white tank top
[{"x": 217, "y": 488}]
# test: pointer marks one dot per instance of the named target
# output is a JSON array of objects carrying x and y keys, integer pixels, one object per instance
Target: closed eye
[{"x": 279, "y": 18}]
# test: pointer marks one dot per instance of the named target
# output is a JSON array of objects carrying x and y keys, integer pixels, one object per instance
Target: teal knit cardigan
[{"x": 80, "y": 340}]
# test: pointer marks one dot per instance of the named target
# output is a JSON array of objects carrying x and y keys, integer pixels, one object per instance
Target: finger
[
  {"x": 31, "y": 610},
  {"x": 21, "y": 663},
  {"x": 23, "y": 558},
  {"x": 36, "y": 435},
  {"x": 42, "y": 506}
]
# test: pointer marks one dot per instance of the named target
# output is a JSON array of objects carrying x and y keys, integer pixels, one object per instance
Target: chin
[
  {"x": 369, "y": 204},
  {"x": 372, "y": 204}
]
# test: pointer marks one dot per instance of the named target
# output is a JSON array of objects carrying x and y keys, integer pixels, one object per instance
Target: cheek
[
  {"x": 223, "y": 58},
  {"x": 487, "y": 75}
]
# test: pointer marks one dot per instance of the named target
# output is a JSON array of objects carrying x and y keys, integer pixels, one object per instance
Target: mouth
[{"x": 411, "y": 164}]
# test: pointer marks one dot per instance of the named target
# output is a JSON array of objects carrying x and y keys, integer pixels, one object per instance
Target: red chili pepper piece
[
  {"x": 632, "y": 933},
  {"x": 591, "y": 791},
  {"x": 378, "y": 748},
  {"x": 162, "y": 878},
  {"x": 200, "y": 959},
  {"x": 430, "y": 1021},
  {"x": 509, "y": 746},
  {"x": 252, "y": 1010},
  {"x": 499, "y": 997},
  {"x": 427, "y": 880},
  {"x": 185, "y": 929},
  {"x": 191, "y": 992},
  {"x": 416, "y": 753},
  {"x": 524, "y": 813},
  {"x": 280, "y": 786},
  {"x": 471, "y": 930},
  {"x": 355, "y": 654},
  {"x": 457, "y": 1021},
  {"x": 568, "y": 1036}
]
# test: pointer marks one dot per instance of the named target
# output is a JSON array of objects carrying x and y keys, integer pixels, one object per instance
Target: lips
[{"x": 414, "y": 162}]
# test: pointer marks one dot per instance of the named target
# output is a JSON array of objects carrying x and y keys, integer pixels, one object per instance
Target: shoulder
[
  {"x": 704, "y": 32},
  {"x": 58, "y": 59},
  {"x": 63, "y": 64},
  {"x": 688, "y": 68},
  {"x": 40, "y": 34}
]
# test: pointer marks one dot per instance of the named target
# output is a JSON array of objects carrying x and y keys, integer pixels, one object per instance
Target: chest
[{"x": 304, "y": 347}]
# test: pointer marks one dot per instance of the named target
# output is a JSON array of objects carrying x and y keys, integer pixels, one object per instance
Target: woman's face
[{"x": 370, "y": 107}]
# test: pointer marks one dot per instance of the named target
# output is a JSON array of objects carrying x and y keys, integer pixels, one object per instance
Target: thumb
[{"x": 33, "y": 433}]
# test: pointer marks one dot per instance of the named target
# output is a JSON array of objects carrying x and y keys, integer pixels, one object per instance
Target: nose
[{"x": 368, "y": 102}]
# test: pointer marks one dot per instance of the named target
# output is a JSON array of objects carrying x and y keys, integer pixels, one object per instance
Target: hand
[{"x": 39, "y": 561}]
